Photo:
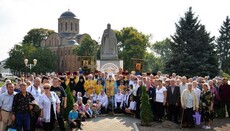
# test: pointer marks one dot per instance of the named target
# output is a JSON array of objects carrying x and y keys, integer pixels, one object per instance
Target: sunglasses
[{"x": 46, "y": 88}]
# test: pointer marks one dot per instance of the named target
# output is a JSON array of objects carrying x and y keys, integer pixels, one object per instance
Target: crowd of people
[{"x": 102, "y": 93}]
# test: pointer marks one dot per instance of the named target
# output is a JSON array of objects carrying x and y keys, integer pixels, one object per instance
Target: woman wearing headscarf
[
  {"x": 80, "y": 85},
  {"x": 72, "y": 84}
]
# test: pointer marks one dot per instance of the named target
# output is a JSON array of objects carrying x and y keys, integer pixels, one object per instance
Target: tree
[
  {"x": 47, "y": 61},
  {"x": 70, "y": 102},
  {"x": 146, "y": 113},
  {"x": 223, "y": 45},
  {"x": 17, "y": 55},
  {"x": 131, "y": 44},
  {"x": 152, "y": 63},
  {"x": 192, "y": 49},
  {"x": 35, "y": 36},
  {"x": 88, "y": 47},
  {"x": 162, "y": 48}
]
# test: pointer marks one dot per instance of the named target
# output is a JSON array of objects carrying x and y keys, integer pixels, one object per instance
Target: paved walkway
[{"x": 110, "y": 123}]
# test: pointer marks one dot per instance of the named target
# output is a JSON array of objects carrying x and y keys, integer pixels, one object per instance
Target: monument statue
[{"x": 109, "y": 45}]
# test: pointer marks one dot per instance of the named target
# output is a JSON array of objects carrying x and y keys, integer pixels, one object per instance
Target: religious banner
[
  {"x": 138, "y": 66},
  {"x": 85, "y": 63}
]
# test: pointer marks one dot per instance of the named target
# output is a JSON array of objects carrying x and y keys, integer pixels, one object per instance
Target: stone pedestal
[{"x": 109, "y": 66}]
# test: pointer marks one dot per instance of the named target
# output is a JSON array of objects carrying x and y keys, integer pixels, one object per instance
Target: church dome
[
  {"x": 68, "y": 14},
  {"x": 72, "y": 42}
]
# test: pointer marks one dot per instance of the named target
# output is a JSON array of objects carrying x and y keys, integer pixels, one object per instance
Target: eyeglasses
[{"x": 46, "y": 88}]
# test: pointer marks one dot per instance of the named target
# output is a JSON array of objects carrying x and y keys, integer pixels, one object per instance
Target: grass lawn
[{"x": 1, "y": 84}]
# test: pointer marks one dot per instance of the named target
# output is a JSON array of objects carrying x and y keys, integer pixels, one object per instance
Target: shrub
[{"x": 146, "y": 113}]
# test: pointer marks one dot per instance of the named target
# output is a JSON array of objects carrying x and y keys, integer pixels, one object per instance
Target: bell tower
[{"x": 68, "y": 23}]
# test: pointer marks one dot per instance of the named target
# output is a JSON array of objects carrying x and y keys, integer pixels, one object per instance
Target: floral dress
[{"x": 206, "y": 98}]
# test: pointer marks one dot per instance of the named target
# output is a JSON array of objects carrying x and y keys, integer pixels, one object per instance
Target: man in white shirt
[
  {"x": 183, "y": 85},
  {"x": 135, "y": 87},
  {"x": 6, "y": 100},
  {"x": 197, "y": 90},
  {"x": 4, "y": 89}
]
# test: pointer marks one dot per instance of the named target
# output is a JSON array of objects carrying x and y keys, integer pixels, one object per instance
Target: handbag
[
  {"x": 197, "y": 118},
  {"x": 11, "y": 127},
  {"x": 36, "y": 110}
]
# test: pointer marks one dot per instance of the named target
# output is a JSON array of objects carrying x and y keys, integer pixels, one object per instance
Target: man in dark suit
[{"x": 173, "y": 98}]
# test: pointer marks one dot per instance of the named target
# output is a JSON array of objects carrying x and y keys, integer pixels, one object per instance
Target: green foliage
[
  {"x": 45, "y": 59},
  {"x": 70, "y": 102},
  {"x": 1, "y": 84},
  {"x": 225, "y": 75},
  {"x": 192, "y": 49},
  {"x": 88, "y": 47},
  {"x": 146, "y": 113},
  {"x": 131, "y": 44},
  {"x": 36, "y": 35},
  {"x": 152, "y": 63},
  {"x": 162, "y": 48},
  {"x": 17, "y": 55},
  {"x": 223, "y": 45}
]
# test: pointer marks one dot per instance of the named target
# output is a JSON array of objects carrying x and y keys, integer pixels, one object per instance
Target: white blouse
[
  {"x": 160, "y": 94},
  {"x": 45, "y": 103},
  {"x": 132, "y": 105},
  {"x": 103, "y": 100},
  {"x": 119, "y": 98}
]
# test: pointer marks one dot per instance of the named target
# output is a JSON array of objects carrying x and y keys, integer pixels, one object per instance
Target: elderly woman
[
  {"x": 81, "y": 108},
  {"x": 50, "y": 105},
  {"x": 206, "y": 105},
  {"x": 189, "y": 104}
]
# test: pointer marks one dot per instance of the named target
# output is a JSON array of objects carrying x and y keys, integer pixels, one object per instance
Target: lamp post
[{"x": 30, "y": 66}]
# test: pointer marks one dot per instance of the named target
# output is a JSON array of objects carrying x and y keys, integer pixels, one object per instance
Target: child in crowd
[
  {"x": 88, "y": 111},
  {"x": 73, "y": 120},
  {"x": 90, "y": 103},
  {"x": 132, "y": 107},
  {"x": 93, "y": 96},
  {"x": 94, "y": 109},
  {"x": 122, "y": 87},
  {"x": 98, "y": 106}
]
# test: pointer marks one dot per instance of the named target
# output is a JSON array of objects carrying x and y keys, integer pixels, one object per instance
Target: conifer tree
[
  {"x": 146, "y": 113},
  {"x": 192, "y": 49},
  {"x": 70, "y": 102},
  {"x": 223, "y": 45}
]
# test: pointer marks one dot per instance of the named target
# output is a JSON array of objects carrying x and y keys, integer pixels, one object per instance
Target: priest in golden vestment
[
  {"x": 109, "y": 84},
  {"x": 89, "y": 84}
]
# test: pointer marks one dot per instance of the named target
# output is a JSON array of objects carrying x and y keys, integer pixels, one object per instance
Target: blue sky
[{"x": 155, "y": 17}]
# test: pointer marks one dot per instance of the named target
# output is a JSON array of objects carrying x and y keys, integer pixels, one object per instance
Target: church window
[
  {"x": 66, "y": 26},
  {"x": 76, "y": 27},
  {"x": 71, "y": 26},
  {"x": 61, "y": 27}
]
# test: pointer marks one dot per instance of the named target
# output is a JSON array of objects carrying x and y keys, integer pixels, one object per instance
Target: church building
[{"x": 64, "y": 41}]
